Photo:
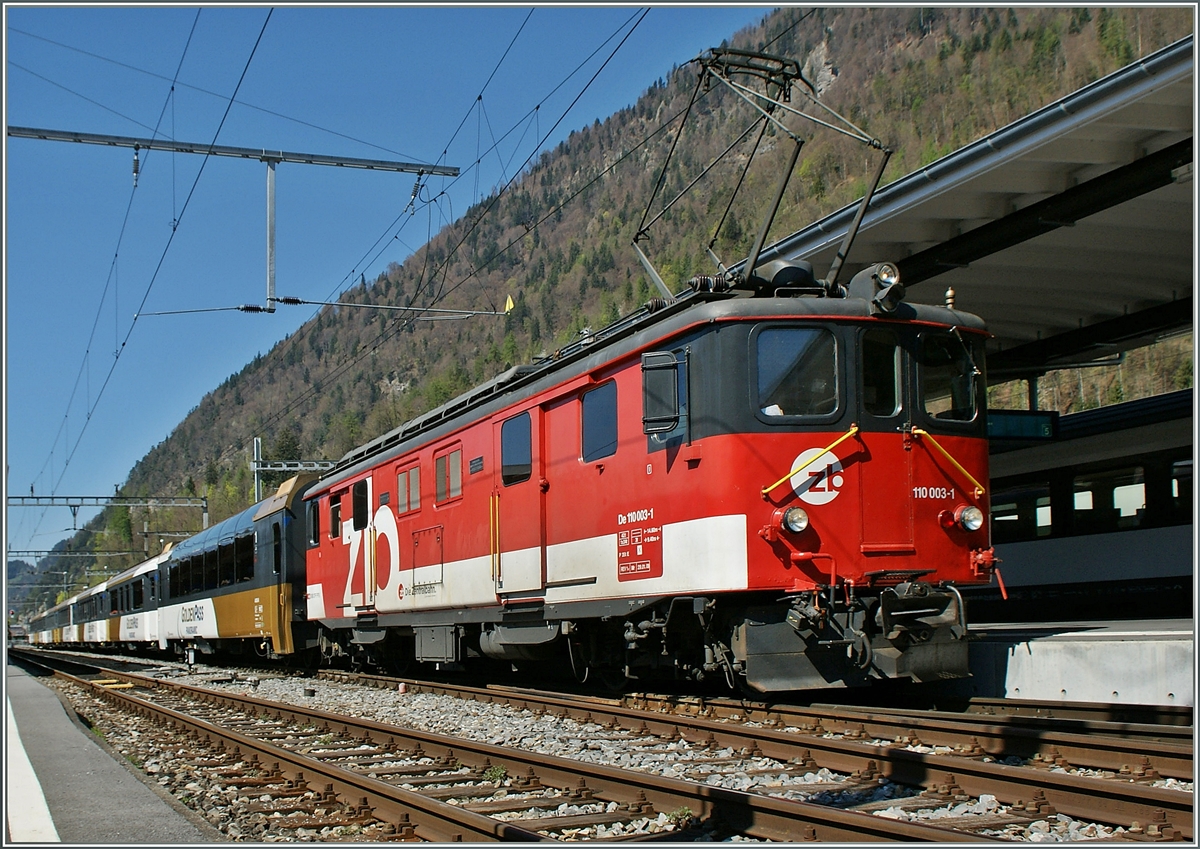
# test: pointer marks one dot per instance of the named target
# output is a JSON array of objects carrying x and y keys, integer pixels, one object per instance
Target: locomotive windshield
[
  {"x": 797, "y": 371},
  {"x": 948, "y": 377}
]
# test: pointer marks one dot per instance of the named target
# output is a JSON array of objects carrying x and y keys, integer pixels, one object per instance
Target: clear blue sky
[{"x": 84, "y": 251}]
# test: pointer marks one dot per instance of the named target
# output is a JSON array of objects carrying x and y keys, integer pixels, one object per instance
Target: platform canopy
[{"x": 1070, "y": 231}]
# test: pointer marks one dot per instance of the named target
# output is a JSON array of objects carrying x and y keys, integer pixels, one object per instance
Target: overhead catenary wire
[
  {"x": 438, "y": 199},
  {"x": 404, "y": 323},
  {"x": 175, "y": 83},
  {"x": 381, "y": 244},
  {"x": 162, "y": 257},
  {"x": 85, "y": 367}
]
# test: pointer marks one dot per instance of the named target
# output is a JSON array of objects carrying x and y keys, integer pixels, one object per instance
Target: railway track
[
  {"x": 1104, "y": 772},
  {"x": 704, "y": 739},
  {"x": 315, "y": 769}
]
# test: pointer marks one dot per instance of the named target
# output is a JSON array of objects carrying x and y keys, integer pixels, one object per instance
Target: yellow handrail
[
  {"x": 979, "y": 490},
  {"x": 853, "y": 430}
]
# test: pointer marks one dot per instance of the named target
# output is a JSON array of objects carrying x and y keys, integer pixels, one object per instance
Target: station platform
[
  {"x": 1142, "y": 662},
  {"x": 62, "y": 786}
]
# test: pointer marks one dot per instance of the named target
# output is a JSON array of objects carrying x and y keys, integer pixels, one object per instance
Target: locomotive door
[
  {"x": 518, "y": 513},
  {"x": 885, "y": 472}
]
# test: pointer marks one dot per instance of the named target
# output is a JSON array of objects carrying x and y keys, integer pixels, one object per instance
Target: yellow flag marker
[{"x": 508, "y": 305}]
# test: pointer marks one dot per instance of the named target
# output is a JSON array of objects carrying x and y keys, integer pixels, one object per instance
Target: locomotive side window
[
  {"x": 660, "y": 392},
  {"x": 447, "y": 473},
  {"x": 276, "y": 548},
  {"x": 797, "y": 371},
  {"x": 408, "y": 490},
  {"x": 665, "y": 398},
  {"x": 600, "y": 422},
  {"x": 335, "y": 516},
  {"x": 314, "y": 523},
  {"x": 881, "y": 373},
  {"x": 948, "y": 377},
  {"x": 516, "y": 450},
  {"x": 360, "y": 505}
]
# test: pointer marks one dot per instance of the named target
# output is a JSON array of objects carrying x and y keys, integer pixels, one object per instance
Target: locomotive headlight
[
  {"x": 795, "y": 519},
  {"x": 887, "y": 274},
  {"x": 969, "y": 518}
]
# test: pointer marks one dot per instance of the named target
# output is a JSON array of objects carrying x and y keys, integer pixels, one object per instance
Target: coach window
[
  {"x": 225, "y": 566},
  {"x": 796, "y": 372},
  {"x": 408, "y": 490},
  {"x": 1021, "y": 512},
  {"x": 599, "y": 414},
  {"x": 138, "y": 594},
  {"x": 1111, "y": 500},
  {"x": 516, "y": 450},
  {"x": 881, "y": 373},
  {"x": 1181, "y": 490},
  {"x": 244, "y": 557},
  {"x": 228, "y": 558},
  {"x": 360, "y": 505},
  {"x": 335, "y": 516},
  {"x": 447, "y": 474},
  {"x": 276, "y": 548}
]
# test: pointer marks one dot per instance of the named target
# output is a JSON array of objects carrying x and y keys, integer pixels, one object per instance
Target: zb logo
[{"x": 818, "y": 482}]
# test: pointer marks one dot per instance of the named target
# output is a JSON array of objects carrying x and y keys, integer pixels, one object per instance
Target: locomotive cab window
[
  {"x": 881, "y": 371},
  {"x": 335, "y": 516},
  {"x": 796, "y": 372},
  {"x": 599, "y": 422},
  {"x": 314, "y": 523},
  {"x": 948, "y": 377},
  {"x": 516, "y": 450}
]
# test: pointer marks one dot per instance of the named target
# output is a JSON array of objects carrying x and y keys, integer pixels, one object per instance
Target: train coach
[
  {"x": 775, "y": 486},
  {"x": 235, "y": 589}
]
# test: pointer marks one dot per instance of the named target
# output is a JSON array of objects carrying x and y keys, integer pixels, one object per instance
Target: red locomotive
[
  {"x": 773, "y": 478},
  {"x": 780, "y": 490},
  {"x": 770, "y": 479}
]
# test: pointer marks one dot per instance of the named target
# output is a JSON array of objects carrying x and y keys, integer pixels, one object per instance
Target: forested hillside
[{"x": 924, "y": 80}]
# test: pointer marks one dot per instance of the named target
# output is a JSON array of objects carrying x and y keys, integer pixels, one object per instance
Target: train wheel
[
  {"x": 613, "y": 680},
  {"x": 399, "y": 654}
]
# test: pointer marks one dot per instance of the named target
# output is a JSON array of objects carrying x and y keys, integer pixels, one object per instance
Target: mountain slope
[{"x": 925, "y": 81}]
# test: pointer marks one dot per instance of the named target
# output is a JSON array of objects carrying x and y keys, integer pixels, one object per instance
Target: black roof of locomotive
[{"x": 638, "y": 330}]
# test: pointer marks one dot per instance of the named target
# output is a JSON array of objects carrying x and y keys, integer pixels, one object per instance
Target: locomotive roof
[{"x": 638, "y": 331}]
